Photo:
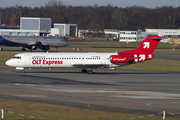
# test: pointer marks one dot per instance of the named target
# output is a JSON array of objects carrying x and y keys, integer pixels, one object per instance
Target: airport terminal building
[
  {"x": 128, "y": 36},
  {"x": 168, "y": 33}
]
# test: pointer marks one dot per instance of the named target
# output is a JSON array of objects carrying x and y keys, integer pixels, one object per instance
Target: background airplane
[
  {"x": 86, "y": 60},
  {"x": 33, "y": 42}
]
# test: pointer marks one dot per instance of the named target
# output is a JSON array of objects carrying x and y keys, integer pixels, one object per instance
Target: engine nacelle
[
  {"x": 120, "y": 59},
  {"x": 46, "y": 47}
]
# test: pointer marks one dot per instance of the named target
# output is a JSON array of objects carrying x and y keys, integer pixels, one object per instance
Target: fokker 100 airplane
[
  {"x": 33, "y": 42},
  {"x": 88, "y": 60}
]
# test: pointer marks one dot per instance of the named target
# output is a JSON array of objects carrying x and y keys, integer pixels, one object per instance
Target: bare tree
[
  {"x": 95, "y": 29},
  {"x": 13, "y": 20}
]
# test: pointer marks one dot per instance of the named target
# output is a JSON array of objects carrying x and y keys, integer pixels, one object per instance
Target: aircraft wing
[
  {"x": 36, "y": 45},
  {"x": 89, "y": 65}
]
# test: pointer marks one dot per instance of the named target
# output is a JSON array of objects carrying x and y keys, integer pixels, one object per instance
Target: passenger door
[{"x": 27, "y": 60}]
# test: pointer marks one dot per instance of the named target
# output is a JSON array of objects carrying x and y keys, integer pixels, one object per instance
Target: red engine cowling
[{"x": 120, "y": 59}]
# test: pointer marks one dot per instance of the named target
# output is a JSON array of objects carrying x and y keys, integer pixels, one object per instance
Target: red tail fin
[
  {"x": 148, "y": 45},
  {"x": 145, "y": 50}
]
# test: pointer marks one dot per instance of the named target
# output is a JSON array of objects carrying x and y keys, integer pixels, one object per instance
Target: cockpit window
[{"x": 16, "y": 57}]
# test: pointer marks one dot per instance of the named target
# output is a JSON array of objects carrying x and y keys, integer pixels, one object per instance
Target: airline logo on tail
[
  {"x": 146, "y": 45},
  {"x": 142, "y": 57}
]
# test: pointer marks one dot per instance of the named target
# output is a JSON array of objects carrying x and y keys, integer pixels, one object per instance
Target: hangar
[
  {"x": 38, "y": 26},
  {"x": 42, "y": 26}
]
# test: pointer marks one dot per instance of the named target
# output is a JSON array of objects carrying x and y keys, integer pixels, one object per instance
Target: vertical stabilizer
[
  {"x": 148, "y": 45},
  {"x": 144, "y": 51}
]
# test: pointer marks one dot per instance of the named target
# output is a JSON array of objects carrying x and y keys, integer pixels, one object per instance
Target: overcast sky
[{"x": 119, "y": 3}]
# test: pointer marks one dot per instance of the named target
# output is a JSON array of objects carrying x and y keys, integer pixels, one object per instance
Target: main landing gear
[
  {"x": 23, "y": 49},
  {"x": 87, "y": 71},
  {"x": 56, "y": 49}
]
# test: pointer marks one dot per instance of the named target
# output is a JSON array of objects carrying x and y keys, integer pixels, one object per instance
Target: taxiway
[{"x": 116, "y": 91}]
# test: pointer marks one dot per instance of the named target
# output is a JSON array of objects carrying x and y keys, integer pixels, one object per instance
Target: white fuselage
[
  {"x": 50, "y": 60},
  {"x": 88, "y": 60}
]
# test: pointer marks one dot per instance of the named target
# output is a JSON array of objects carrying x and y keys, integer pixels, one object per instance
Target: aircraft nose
[
  {"x": 66, "y": 43},
  {"x": 9, "y": 63}
]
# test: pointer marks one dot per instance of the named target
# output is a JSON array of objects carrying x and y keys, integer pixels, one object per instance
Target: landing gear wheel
[
  {"x": 90, "y": 71},
  {"x": 22, "y": 71},
  {"x": 84, "y": 71},
  {"x": 23, "y": 49},
  {"x": 56, "y": 49}
]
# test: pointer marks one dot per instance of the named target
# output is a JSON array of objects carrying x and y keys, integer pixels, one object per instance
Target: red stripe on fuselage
[{"x": 14, "y": 41}]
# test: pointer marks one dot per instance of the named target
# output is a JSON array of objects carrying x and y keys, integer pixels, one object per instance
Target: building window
[
  {"x": 133, "y": 32},
  {"x": 133, "y": 38},
  {"x": 89, "y": 35},
  {"x": 109, "y": 35},
  {"x": 122, "y": 38},
  {"x": 99, "y": 35},
  {"x": 169, "y": 36}
]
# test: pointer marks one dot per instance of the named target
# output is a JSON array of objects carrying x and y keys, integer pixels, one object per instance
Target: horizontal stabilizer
[{"x": 157, "y": 38}]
